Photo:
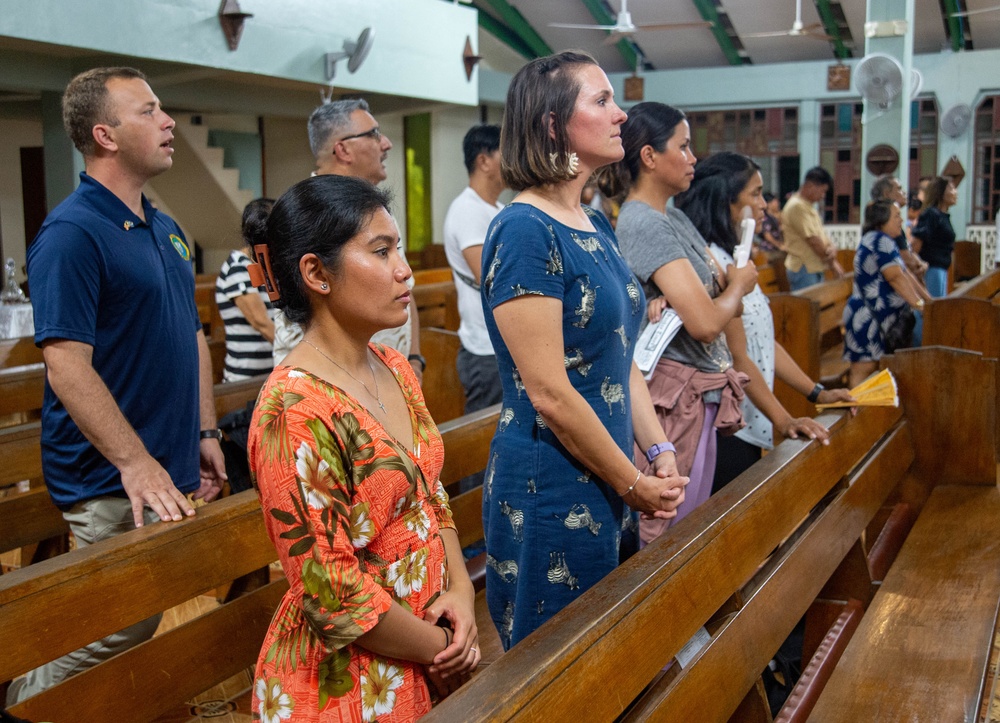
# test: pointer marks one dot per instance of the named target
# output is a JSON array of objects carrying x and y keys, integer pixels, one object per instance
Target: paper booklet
[{"x": 654, "y": 339}]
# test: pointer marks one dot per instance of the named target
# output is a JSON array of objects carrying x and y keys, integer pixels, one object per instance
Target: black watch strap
[
  {"x": 814, "y": 394},
  {"x": 210, "y": 434},
  {"x": 419, "y": 359}
]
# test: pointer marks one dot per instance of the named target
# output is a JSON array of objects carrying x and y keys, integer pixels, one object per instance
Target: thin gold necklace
[{"x": 370, "y": 368}]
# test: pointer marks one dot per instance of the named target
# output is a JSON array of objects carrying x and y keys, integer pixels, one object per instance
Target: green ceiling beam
[
  {"x": 954, "y": 25},
  {"x": 707, "y": 10},
  {"x": 603, "y": 17},
  {"x": 516, "y": 22},
  {"x": 505, "y": 35},
  {"x": 832, "y": 29}
]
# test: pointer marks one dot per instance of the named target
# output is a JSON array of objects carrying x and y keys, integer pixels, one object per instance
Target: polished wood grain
[
  {"x": 441, "y": 386},
  {"x": 921, "y": 650},
  {"x": 437, "y": 304},
  {"x": 467, "y": 444},
  {"x": 642, "y": 613},
  {"x": 213, "y": 647}
]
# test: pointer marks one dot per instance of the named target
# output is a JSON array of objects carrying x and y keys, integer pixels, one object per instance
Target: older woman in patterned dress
[
  {"x": 346, "y": 460},
  {"x": 562, "y": 312},
  {"x": 882, "y": 290}
]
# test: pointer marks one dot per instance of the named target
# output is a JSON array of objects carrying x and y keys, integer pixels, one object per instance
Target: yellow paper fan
[{"x": 878, "y": 390}]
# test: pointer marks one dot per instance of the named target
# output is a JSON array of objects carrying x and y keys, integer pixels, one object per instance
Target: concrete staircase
[{"x": 200, "y": 193}]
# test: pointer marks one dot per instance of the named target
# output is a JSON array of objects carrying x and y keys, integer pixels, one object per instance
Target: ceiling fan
[
  {"x": 625, "y": 28},
  {"x": 966, "y": 13},
  {"x": 798, "y": 29}
]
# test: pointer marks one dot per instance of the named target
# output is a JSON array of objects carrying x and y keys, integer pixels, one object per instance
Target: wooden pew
[
  {"x": 58, "y": 605},
  {"x": 753, "y": 559},
  {"x": 29, "y": 520},
  {"x": 807, "y": 323},
  {"x": 441, "y": 386},
  {"x": 966, "y": 261},
  {"x": 437, "y": 304},
  {"x": 985, "y": 286},
  {"x": 432, "y": 276},
  {"x": 19, "y": 352}
]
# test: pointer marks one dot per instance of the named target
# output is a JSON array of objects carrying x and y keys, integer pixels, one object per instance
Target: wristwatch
[
  {"x": 420, "y": 360},
  {"x": 210, "y": 434},
  {"x": 814, "y": 394},
  {"x": 657, "y": 449}
]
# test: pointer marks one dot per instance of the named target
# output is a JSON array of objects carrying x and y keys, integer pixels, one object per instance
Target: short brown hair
[
  {"x": 85, "y": 104},
  {"x": 542, "y": 87}
]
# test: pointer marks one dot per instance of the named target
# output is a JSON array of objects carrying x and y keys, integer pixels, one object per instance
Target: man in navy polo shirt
[{"x": 129, "y": 379}]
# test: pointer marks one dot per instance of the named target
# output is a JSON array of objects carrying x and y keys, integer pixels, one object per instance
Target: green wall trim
[
  {"x": 953, "y": 25},
  {"x": 832, "y": 29},
  {"x": 707, "y": 10},
  {"x": 505, "y": 35},
  {"x": 603, "y": 17},
  {"x": 516, "y": 22}
]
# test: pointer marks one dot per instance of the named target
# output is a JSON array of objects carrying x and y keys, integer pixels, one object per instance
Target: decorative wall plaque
[
  {"x": 882, "y": 159},
  {"x": 634, "y": 88},
  {"x": 838, "y": 77}
]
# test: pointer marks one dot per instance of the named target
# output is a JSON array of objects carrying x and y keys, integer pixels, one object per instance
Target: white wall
[
  {"x": 448, "y": 174},
  {"x": 14, "y": 135}
]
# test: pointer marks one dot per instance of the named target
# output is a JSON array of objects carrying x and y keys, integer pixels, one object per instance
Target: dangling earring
[
  {"x": 572, "y": 162},
  {"x": 324, "y": 287}
]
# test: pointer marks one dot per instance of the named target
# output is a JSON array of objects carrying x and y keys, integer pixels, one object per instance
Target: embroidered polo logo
[
  {"x": 180, "y": 246},
  {"x": 128, "y": 225}
]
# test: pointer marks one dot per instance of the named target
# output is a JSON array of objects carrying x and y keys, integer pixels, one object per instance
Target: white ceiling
[{"x": 692, "y": 48}]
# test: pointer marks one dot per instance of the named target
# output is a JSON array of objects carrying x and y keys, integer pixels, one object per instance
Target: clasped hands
[{"x": 658, "y": 496}]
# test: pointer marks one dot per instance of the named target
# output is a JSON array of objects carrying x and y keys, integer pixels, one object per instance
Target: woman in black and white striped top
[{"x": 245, "y": 310}]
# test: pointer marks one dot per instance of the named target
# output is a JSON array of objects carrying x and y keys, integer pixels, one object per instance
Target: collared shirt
[
  {"x": 102, "y": 276},
  {"x": 799, "y": 221}
]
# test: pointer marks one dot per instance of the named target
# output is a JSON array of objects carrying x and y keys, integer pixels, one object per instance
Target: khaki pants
[{"x": 91, "y": 521}]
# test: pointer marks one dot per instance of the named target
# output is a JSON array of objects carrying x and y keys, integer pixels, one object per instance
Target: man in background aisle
[
  {"x": 346, "y": 141},
  {"x": 128, "y": 372},
  {"x": 810, "y": 252},
  {"x": 465, "y": 228}
]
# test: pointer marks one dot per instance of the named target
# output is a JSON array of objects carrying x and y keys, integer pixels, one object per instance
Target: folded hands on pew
[{"x": 652, "y": 495}]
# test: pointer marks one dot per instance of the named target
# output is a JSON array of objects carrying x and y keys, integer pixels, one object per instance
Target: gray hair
[
  {"x": 331, "y": 118},
  {"x": 882, "y": 187}
]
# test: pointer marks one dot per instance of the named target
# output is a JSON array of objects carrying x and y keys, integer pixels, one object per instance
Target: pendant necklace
[{"x": 370, "y": 368}]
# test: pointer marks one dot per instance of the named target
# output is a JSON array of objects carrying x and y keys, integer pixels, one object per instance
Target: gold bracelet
[{"x": 638, "y": 476}]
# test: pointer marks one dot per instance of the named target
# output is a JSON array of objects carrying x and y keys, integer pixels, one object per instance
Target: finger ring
[{"x": 474, "y": 649}]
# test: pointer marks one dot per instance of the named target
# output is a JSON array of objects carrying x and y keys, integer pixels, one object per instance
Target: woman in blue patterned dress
[
  {"x": 563, "y": 312},
  {"x": 881, "y": 290}
]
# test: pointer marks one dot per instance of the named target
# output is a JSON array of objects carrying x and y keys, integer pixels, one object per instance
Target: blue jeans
[
  {"x": 801, "y": 279},
  {"x": 937, "y": 281}
]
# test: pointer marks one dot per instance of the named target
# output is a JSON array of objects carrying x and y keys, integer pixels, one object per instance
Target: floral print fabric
[
  {"x": 874, "y": 305},
  {"x": 355, "y": 516}
]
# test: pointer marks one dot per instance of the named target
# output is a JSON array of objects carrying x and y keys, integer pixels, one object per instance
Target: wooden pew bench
[
  {"x": 786, "y": 538},
  {"x": 442, "y": 388},
  {"x": 923, "y": 646},
  {"x": 807, "y": 323},
  {"x": 437, "y": 304},
  {"x": 58, "y": 605},
  {"x": 985, "y": 286},
  {"x": 28, "y": 519}
]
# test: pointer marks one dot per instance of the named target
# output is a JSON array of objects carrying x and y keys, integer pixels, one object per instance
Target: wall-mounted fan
[
  {"x": 625, "y": 28},
  {"x": 879, "y": 79},
  {"x": 798, "y": 30},
  {"x": 354, "y": 50},
  {"x": 956, "y": 119}
]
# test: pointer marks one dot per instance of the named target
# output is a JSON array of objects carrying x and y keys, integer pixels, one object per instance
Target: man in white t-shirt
[
  {"x": 346, "y": 141},
  {"x": 465, "y": 227}
]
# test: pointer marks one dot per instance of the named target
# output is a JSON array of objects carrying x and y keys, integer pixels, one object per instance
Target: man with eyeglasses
[{"x": 346, "y": 141}]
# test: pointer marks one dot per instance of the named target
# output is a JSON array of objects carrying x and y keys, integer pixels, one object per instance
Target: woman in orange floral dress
[{"x": 346, "y": 461}]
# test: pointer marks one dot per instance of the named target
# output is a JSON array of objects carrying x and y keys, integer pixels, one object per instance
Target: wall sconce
[
  {"x": 354, "y": 50},
  {"x": 231, "y": 19}
]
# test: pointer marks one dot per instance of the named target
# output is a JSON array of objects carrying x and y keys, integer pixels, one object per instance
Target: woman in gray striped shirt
[{"x": 246, "y": 311}]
